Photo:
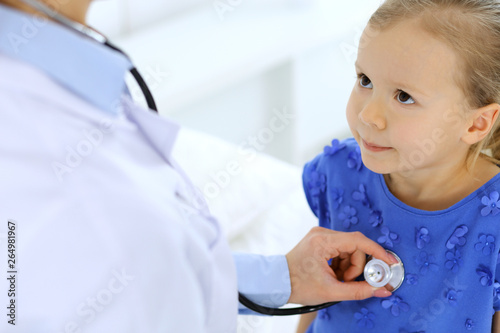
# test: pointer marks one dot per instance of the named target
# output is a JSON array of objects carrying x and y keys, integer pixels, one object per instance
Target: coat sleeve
[{"x": 264, "y": 280}]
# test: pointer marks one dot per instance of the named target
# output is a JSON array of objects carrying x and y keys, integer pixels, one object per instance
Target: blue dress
[{"x": 450, "y": 256}]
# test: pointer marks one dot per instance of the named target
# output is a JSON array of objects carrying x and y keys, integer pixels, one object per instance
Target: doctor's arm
[{"x": 304, "y": 276}]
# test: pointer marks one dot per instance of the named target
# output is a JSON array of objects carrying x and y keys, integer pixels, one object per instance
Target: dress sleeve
[
  {"x": 264, "y": 280},
  {"x": 314, "y": 183}
]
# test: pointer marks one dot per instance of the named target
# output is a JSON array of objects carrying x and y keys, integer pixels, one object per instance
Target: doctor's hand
[{"x": 314, "y": 281}]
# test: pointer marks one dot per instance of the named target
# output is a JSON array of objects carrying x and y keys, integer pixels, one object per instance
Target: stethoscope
[
  {"x": 376, "y": 272},
  {"x": 98, "y": 37}
]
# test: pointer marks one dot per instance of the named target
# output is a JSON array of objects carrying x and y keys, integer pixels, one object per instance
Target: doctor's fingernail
[
  {"x": 382, "y": 293},
  {"x": 392, "y": 258}
]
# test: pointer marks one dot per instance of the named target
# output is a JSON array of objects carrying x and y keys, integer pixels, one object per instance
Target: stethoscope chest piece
[{"x": 379, "y": 274}]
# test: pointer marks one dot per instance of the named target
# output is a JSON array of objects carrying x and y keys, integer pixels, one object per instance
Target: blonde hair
[{"x": 472, "y": 29}]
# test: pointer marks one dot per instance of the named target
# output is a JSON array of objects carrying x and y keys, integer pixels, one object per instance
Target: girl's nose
[{"x": 373, "y": 114}]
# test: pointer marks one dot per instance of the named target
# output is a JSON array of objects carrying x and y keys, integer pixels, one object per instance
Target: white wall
[
  {"x": 225, "y": 67},
  {"x": 121, "y": 17}
]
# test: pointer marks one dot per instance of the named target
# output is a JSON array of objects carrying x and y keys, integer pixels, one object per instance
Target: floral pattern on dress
[
  {"x": 411, "y": 279},
  {"x": 334, "y": 148},
  {"x": 316, "y": 183},
  {"x": 395, "y": 304},
  {"x": 354, "y": 160},
  {"x": 469, "y": 324},
  {"x": 491, "y": 204},
  {"x": 426, "y": 262},
  {"x": 486, "y": 244},
  {"x": 422, "y": 237},
  {"x": 360, "y": 195},
  {"x": 323, "y": 314},
  {"x": 336, "y": 197},
  {"x": 388, "y": 238},
  {"x": 458, "y": 237},
  {"x": 453, "y": 260},
  {"x": 348, "y": 216},
  {"x": 375, "y": 218},
  {"x": 453, "y": 296},
  {"x": 485, "y": 276},
  {"x": 365, "y": 318},
  {"x": 496, "y": 292},
  {"x": 326, "y": 214}
]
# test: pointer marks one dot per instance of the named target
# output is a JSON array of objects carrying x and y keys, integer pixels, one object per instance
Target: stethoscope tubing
[
  {"x": 98, "y": 37},
  {"x": 281, "y": 311}
]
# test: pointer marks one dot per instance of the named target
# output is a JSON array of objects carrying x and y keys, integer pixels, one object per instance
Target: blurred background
[{"x": 268, "y": 75}]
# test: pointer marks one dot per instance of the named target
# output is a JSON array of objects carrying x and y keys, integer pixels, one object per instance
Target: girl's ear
[{"x": 481, "y": 123}]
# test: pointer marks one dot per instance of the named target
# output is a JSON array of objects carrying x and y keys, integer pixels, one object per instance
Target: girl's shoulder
[
  {"x": 340, "y": 156},
  {"x": 337, "y": 170},
  {"x": 489, "y": 196}
]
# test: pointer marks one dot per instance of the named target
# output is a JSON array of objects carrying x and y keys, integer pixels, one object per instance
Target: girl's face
[{"x": 406, "y": 110}]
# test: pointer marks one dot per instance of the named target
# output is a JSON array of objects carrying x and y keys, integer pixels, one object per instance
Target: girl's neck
[{"x": 440, "y": 189}]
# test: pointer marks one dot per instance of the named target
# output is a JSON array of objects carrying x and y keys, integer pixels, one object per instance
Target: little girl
[{"x": 421, "y": 175}]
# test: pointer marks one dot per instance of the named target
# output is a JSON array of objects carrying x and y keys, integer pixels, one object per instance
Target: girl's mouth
[{"x": 373, "y": 147}]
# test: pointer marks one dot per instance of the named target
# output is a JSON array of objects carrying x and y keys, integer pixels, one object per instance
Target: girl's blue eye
[
  {"x": 404, "y": 98},
  {"x": 364, "y": 81}
]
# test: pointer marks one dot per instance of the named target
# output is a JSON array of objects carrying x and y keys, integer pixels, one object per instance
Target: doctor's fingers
[
  {"x": 348, "y": 266},
  {"x": 355, "y": 290},
  {"x": 356, "y": 266}
]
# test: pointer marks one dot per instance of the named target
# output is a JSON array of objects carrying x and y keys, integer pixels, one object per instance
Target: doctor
[{"x": 100, "y": 230}]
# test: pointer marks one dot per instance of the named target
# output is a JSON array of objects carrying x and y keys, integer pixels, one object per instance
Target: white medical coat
[
  {"x": 110, "y": 236},
  {"x": 107, "y": 237}
]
